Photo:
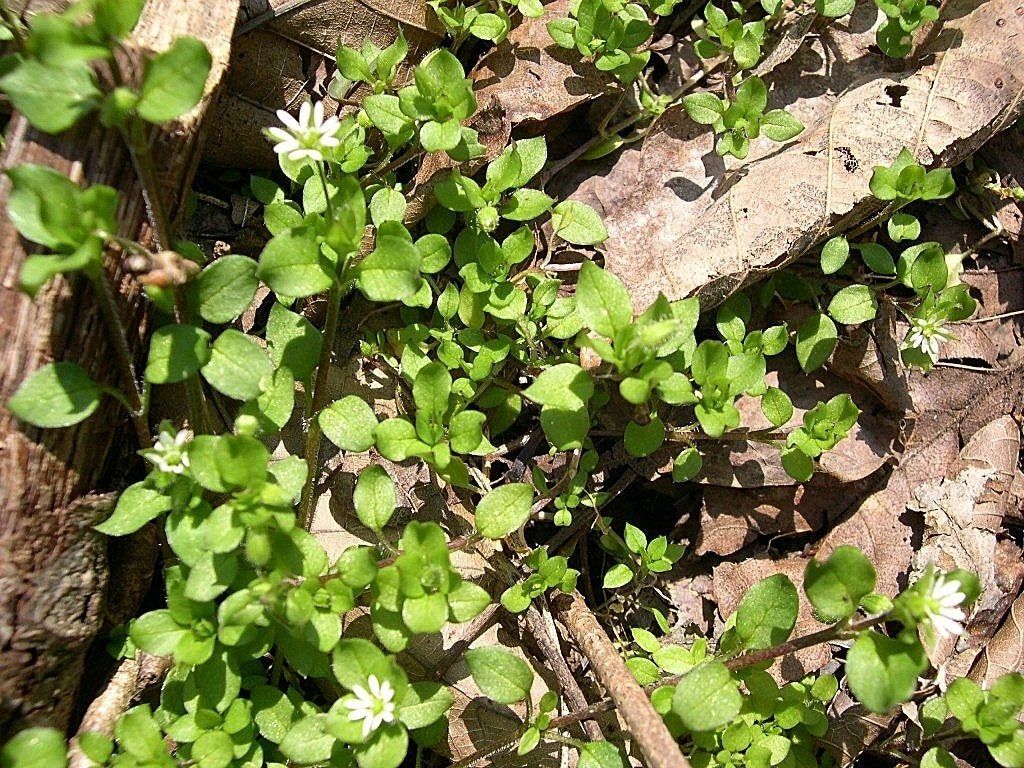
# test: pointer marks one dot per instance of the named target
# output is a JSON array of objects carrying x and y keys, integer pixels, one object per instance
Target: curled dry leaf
[
  {"x": 1004, "y": 653},
  {"x": 716, "y": 231},
  {"x": 961, "y": 516}
]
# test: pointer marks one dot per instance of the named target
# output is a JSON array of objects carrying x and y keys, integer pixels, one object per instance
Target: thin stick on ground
[
  {"x": 130, "y": 679},
  {"x": 645, "y": 725},
  {"x": 572, "y": 694}
]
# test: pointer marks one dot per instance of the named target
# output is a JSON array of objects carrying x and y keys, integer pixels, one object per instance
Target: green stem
[
  {"x": 145, "y": 169},
  {"x": 314, "y": 435},
  {"x": 122, "y": 354}
]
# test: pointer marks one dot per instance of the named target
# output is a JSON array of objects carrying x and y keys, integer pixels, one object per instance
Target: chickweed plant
[{"x": 486, "y": 344}]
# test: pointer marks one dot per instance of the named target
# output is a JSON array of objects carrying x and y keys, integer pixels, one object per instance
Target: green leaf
[
  {"x": 504, "y": 510},
  {"x": 238, "y": 366},
  {"x": 384, "y": 112},
  {"x": 937, "y": 757},
  {"x": 687, "y": 464},
  {"x": 459, "y": 193},
  {"x": 836, "y": 587},
  {"x": 704, "y": 108},
  {"x": 425, "y": 703},
  {"x": 564, "y": 386},
  {"x": 293, "y": 342},
  {"x": 387, "y": 204},
  {"x": 440, "y": 136},
  {"x": 526, "y": 204},
  {"x": 644, "y": 439},
  {"x": 226, "y": 288},
  {"x": 396, "y": 440},
  {"x": 834, "y": 254},
  {"x": 833, "y": 9},
  {"x": 174, "y": 81},
  {"x": 707, "y": 698},
  {"x": 425, "y": 614},
  {"x": 602, "y": 300},
  {"x": 601, "y": 754},
  {"x": 489, "y": 26},
  {"x": 374, "y": 497},
  {"x": 349, "y": 423},
  {"x": 56, "y": 395},
  {"x": 213, "y": 749},
  {"x": 776, "y": 406},
  {"x": 877, "y": 258},
  {"x": 392, "y": 270},
  {"x": 903, "y": 226},
  {"x": 752, "y": 96},
  {"x": 45, "y": 207},
  {"x": 118, "y": 17},
  {"x": 97, "y": 746},
  {"x": 35, "y": 748},
  {"x": 136, "y": 506},
  {"x": 501, "y": 676},
  {"x": 465, "y": 433},
  {"x": 139, "y": 735},
  {"x": 779, "y": 125},
  {"x": 52, "y": 98},
  {"x": 797, "y": 464},
  {"x": 617, "y": 576},
  {"x": 882, "y": 672},
  {"x": 578, "y": 223},
  {"x": 431, "y": 390},
  {"x": 308, "y": 741},
  {"x": 767, "y": 613},
  {"x": 176, "y": 352},
  {"x": 854, "y": 304},
  {"x": 467, "y": 600},
  {"x": 157, "y": 632},
  {"x": 815, "y": 340},
  {"x": 292, "y": 265}
]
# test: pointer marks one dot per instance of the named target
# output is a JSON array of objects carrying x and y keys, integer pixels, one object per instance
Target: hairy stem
[
  {"x": 122, "y": 354},
  {"x": 145, "y": 169},
  {"x": 314, "y": 435}
]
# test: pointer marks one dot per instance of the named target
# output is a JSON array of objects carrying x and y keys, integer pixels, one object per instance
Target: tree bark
[{"x": 53, "y": 569}]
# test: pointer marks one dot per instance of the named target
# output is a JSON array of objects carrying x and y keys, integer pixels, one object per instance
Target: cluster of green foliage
[
  {"x": 902, "y": 18},
  {"x": 482, "y": 341}
]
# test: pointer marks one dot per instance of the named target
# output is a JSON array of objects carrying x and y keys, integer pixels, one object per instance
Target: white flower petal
[{"x": 288, "y": 120}]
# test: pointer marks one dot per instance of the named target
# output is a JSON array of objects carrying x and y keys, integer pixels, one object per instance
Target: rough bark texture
[{"x": 52, "y": 565}]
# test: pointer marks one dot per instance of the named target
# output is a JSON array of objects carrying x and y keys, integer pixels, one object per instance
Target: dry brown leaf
[
  {"x": 753, "y": 465},
  {"x": 732, "y": 518},
  {"x": 1004, "y": 653},
  {"x": 852, "y": 728},
  {"x": 289, "y": 57},
  {"x": 689, "y": 229}
]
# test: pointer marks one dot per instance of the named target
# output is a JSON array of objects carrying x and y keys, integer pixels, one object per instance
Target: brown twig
[
  {"x": 572, "y": 694},
  {"x": 644, "y": 723},
  {"x": 130, "y": 679}
]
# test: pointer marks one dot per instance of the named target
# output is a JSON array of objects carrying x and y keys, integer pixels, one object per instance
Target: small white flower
[
  {"x": 926, "y": 334},
  {"x": 309, "y": 136},
  {"x": 374, "y": 706},
  {"x": 942, "y": 607},
  {"x": 168, "y": 453}
]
